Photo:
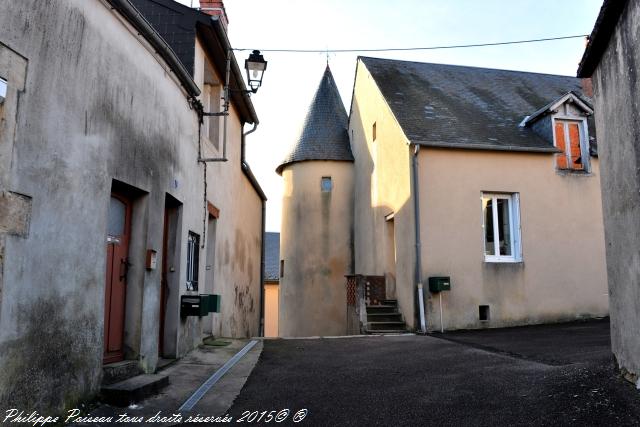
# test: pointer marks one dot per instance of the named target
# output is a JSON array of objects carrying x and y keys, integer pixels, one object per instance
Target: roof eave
[
  {"x": 139, "y": 22},
  {"x": 604, "y": 27},
  {"x": 281, "y": 167},
  {"x": 239, "y": 96},
  {"x": 485, "y": 147}
]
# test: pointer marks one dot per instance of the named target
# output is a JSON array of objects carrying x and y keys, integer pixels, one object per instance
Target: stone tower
[{"x": 316, "y": 249}]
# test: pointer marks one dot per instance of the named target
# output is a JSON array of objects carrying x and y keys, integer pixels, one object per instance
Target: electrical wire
[{"x": 415, "y": 48}]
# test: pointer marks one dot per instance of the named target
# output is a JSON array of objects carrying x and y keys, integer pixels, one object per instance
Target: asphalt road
[{"x": 544, "y": 375}]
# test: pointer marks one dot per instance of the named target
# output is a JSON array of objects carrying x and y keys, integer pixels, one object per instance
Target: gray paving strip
[{"x": 206, "y": 386}]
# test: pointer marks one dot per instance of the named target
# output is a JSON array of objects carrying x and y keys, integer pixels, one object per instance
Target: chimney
[
  {"x": 215, "y": 8},
  {"x": 587, "y": 87}
]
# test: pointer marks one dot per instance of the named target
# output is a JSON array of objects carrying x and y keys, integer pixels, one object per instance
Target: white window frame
[
  {"x": 583, "y": 130},
  {"x": 514, "y": 227}
]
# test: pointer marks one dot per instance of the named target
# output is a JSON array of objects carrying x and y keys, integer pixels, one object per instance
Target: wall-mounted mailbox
[
  {"x": 193, "y": 305},
  {"x": 438, "y": 284},
  {"x": 212, "y": 302}
]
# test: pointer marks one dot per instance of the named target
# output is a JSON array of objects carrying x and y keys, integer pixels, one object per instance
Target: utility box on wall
[
  {"x": 438, "y": 284},
  {"x": 212, "y": 302},
  {"x": 193, "y": 305}
]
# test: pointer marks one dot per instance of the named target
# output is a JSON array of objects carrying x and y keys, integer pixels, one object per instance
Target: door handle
[{"x": 124, "y": 268}]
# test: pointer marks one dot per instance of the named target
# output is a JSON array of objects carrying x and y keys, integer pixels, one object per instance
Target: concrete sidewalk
[{"x": 185, "y": 377}]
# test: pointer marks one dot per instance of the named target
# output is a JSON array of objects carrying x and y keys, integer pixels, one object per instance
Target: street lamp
[{"x": 255, "y": 66}]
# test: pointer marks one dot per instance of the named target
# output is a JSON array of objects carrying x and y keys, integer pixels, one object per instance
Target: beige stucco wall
[
  {"x": 315, "y": 244},
  {"x": 271, "y": 299},
  {"x": 382, "y": 186},
  {"x": 235, "y": 273},
  {"x": 563, "y": 273}
]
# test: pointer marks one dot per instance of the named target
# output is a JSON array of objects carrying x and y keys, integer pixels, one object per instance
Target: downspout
[
  {"x": 418, "y": 295},
  {"x": 245, "y": 167}
]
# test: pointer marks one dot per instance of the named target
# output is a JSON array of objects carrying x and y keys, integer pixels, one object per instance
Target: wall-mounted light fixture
[{"x": 255, "y": 66}]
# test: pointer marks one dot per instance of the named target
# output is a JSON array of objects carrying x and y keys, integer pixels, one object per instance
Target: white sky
[{"x": 291, "y": 79}]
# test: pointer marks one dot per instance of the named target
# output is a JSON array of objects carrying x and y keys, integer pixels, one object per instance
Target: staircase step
[
  {"x": 133, "y": 390},
  {"x": 386, "y": 331},
  {"x": 398, "y": 325},
  {"x": 384, "y": 317},
  {"x": 393, "y": 302},
  {"x": 381, "y": 309},
  {"x": 120, "y": 371}
]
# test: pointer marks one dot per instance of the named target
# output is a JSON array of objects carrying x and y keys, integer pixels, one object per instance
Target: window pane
[
  {"x": 504, "y": 227},
  {"x": 117, "y": 213},
  {"x": 487, "y": 207},
  {"x": 326, "y": 184}
]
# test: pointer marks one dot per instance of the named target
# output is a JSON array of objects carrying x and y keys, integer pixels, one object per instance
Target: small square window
[
  {"x": 501, "y": 223},
  {"x": 374, "y": 131},
  {"x": 484, "y": 313},
  {"x": 3, "y": 89},
  {"x": 326, "y": 184}
]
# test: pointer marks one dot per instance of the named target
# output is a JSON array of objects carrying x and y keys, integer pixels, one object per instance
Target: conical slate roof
[{"x": 324, "y": 131}]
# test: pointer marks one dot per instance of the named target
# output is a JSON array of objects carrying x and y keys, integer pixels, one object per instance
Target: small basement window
[
  {"x": 571, "y": 139},
  {"x": 501, "y": 224},
  {"x": 484, "y": 313},
  {"x": 3, "y": 90},
  {"x": 325, "y": 184}
]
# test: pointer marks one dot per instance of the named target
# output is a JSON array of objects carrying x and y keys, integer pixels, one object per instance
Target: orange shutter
[
  {"x": 574, "y": 143},
  {"x": 561, "y": 158}
]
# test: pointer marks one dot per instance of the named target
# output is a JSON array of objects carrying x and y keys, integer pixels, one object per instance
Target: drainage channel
[{"x": 206, "y": 386}]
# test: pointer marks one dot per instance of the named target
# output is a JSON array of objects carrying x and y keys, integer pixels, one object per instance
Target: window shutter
[
  {"x": 574, "y": 144},
  {"x": 517, "y": 245},
  {"x": 561, "y": 158}
]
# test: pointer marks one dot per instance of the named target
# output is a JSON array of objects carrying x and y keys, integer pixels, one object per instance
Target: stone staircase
[{"x": 385, "y": 318}]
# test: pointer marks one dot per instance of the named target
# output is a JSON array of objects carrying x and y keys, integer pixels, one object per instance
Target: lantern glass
[{"x": 255, "y": 66}]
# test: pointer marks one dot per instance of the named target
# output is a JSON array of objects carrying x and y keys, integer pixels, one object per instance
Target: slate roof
[
  {"x": 324, "y": 131},
  {"x": 272, "y": 256},
  {"x": 467, "y": 107}
]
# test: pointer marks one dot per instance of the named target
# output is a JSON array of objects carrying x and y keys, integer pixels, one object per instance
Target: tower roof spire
[{"x": 324, "y": 131}]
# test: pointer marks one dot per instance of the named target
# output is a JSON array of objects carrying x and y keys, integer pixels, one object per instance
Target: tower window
[
  {"x": 325, "y": 184},
  {"x": 281, "y": 268},
  {"x": 373, "y": 131}
]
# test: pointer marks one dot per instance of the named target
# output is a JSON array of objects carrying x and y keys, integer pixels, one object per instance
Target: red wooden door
[{"x": 118, "y": 231}]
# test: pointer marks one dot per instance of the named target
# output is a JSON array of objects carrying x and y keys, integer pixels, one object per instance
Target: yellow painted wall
[
  {"x": 315, "y": 244},
  {"x": 271, "y": 301},
  {"x": 382, "y": 186},
  {"x": 563, "y": 273}
]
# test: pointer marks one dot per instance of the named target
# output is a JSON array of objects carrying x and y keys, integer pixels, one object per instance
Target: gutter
[
  {"x": 133, "y": 15},
  {"x": 487, "y": 147},
  {"x": 418, "y": 295}
]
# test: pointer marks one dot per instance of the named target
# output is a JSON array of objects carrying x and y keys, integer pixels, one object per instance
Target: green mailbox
[
  {"x": 212, "y": 302},
  {"x": 193, "y": 305},
  {"x": 438, "y": 284}
]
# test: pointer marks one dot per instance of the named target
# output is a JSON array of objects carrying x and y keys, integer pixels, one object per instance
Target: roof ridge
[{"x": 475, "y": 67}]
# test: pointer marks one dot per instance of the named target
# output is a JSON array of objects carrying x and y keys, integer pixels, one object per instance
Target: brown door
[{"x": 118, "y": 231}]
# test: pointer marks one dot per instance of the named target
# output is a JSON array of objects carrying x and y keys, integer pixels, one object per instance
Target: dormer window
[{"x": 570, "y": 138}]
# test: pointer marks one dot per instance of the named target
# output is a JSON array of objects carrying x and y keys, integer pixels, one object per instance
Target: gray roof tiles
[
  {"x": 467, "y": 107},
  {"x": 324, "y": 132}
]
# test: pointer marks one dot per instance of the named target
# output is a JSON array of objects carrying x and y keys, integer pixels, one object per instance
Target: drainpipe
[
  {"x": 245, "y": 167},
  {"x": 418, "y": 295},
  {"x": 224, "y": 113}
]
